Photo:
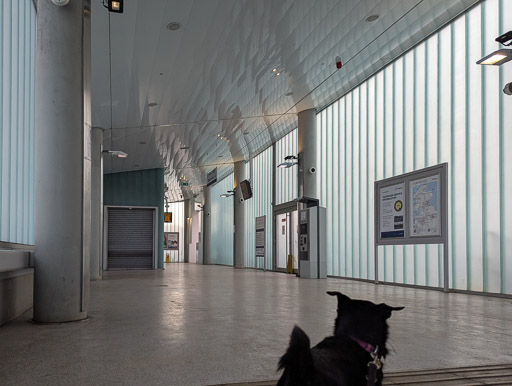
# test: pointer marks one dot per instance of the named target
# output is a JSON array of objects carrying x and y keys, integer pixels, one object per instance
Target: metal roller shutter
[{"x": 130, "y": 238}]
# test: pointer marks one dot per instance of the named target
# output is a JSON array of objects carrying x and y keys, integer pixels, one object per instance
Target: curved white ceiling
[{"x": 205, "y": 95}]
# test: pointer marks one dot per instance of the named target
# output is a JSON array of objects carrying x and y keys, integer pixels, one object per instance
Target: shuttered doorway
[{"x": 130, "y": 238}]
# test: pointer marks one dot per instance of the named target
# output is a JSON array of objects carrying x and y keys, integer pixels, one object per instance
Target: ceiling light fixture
[
  {"x": 152, "y": 104},
  {"x": 274, "y": 69},
  {"x": 115, "y": 6},
  {"x": 228, "y": 194},
  {"x": 497, "y": 58},
  {"x": 173, "y": 26},
  {"x": 289, "y": 161},
  {"x": 116, "y": 153},
  {"x": 372, "y": 18}
]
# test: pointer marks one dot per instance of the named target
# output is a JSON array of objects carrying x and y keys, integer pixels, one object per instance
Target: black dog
[{"x": 359, "y": 341}]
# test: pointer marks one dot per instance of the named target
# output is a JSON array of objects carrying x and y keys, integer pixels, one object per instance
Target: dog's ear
[
  {"x": 342, "y": 299},
  {"x": 386, "y": 310}
]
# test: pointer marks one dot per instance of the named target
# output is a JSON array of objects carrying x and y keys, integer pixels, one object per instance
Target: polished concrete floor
[{"x": 201, "y": 325}]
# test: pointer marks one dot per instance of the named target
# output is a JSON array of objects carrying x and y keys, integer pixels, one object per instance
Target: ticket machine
[{"x": 312, "y": 243}]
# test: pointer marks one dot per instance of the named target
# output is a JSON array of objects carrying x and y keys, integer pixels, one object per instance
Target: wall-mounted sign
[
  {"x": 425, "y": 218},
  {"x": 211, "y": 177},
  {"x": 260, "y": 236},
  {"x": 168, "y": 217},
  {"x": 171, "y": 240},
  {"x": 184, "y": 183},
  {"x": 392, "y": 211}
]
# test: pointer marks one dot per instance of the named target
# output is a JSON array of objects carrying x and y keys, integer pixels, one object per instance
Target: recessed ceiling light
[
  {"x": 289, "y": 93},
  {"x": 136, "y": 166},
  {"x": 278, "y": 74},
  {"x": 372, "y": 18},
  {"x": 161, "y": 73},
  {"x": 173, "y": 26},
  {"x": 152, "y": 104},
  {"x": 274, "y": 69},
  {"x": 142, "y": 142}
]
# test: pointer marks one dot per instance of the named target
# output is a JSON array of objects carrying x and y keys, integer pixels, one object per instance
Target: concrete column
[
  {"x": 63, "y": 162},
  {"x": 96, "y": 203},
  {"x": 307, "y": 154},
  {"x": 207, "y": 225},
  {"x": 187, "y": 237},
  {"x": 239, "y": 216}
]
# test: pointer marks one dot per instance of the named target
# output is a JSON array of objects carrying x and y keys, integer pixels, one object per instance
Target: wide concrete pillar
[
  {"x": 96, "y": 203},
  {"x": 207, "y": 226},
  {"x": 239, "y": 216},
  {"x": 63, "y": 162},
  {"x": 189, "y": 208},
  {"x": 307, "y": 154}
]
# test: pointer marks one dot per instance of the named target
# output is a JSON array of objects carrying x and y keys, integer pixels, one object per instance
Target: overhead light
[
  {"x": 289, "y": 161},
  {"x": 152, "y": 104},
  {"x": 142, "y": 142},
  {"x": 228, "y": 194},
  {"x": 372, "y": 18},
  {"x": 274, "y": 69},
  {"x": 115, "y": 6},
  {"x": 497, "y": 58},
  {"x": 116, "y": 153},
  {"x": 173, "y": 26},
  {"x": 505, "y": 39}
]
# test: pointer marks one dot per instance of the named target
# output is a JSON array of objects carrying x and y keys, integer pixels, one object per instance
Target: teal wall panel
[
  {"x": 17, "y": 124},
  {"x": 432, "y": 105},
  {"x": 138, "y": 188},
  {"x": 259, "y": 205},
  {"x": 222, "y": 223}
]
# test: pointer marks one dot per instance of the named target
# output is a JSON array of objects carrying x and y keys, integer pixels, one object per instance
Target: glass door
[{"x": 286, "y": 239}]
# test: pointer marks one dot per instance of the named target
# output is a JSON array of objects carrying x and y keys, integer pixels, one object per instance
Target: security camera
[
  {"x": 241, "y": 199},
  {"x": 312, "y": 170},
  {"x": 508, "y": 89},
  {"x": 60, "y": 3},
  {"x": 208, "y": 213}
]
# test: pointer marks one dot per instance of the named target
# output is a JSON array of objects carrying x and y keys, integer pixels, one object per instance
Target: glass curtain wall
[
  {"x": 17, "y": 110},
  {"x": 259, "y": 205},
  {"x": 178, "y": 225},
  {"x": 432, "y": 105},
  {"x": 222, "y": 223},
  {"x": 286, "y": 178}
]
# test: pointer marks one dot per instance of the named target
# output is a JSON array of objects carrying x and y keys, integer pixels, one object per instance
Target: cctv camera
[
  {"x": 60, "y": 3},
  {"x": 312, "y": 170},
  {"x": 508, "y": 89},
  {"x": 241, "y": 199}
]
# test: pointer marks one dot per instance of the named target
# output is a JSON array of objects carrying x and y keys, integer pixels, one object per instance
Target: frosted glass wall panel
[
  {"x": 286, "y": 178},
  {"x": 17, "y": 109},
  {"x": 430, "y": 106},
  {"x": 222, "y": 223},
  {"x": 178, "y": 225},
  {"x": 259, "y": 205}
]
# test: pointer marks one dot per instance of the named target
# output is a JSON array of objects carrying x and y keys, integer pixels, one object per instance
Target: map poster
[
  {"x": 392, "y": 211},
  {"x": 425, "y": 211}
]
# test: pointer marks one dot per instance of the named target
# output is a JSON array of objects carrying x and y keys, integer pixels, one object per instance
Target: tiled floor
[{"x": 198, "y": 325}]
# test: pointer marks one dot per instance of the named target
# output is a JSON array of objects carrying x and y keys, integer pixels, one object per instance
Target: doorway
[{"x": 286, "y": 237}]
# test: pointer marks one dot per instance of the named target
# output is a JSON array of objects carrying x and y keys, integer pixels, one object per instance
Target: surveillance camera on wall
[
  {"x": 241, "y": 199},
  {"x": 312, "y": 170},
  {"x": 508, "y": 89}
]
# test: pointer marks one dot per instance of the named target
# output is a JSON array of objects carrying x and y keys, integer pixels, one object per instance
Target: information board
[
  {"x": 412, "y": 208},
  {"x": 171, "y": 241},
  {"x": 260, "y": 236}
]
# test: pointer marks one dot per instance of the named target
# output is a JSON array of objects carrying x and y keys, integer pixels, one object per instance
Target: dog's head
[{"x": 363, "y": 320}]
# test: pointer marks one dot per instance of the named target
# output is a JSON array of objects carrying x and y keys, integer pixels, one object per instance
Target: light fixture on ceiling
[
  {"x": 372, "y": 18},
  {"x": 228, "y": 194},
  {"x": 173, "y": 26},
  {"x": 116, "y": 153},
  {"x": 289, "y": 161},
  {"x": 115, "y": 6},
  {"x": 497, "y": 58},
  {"x": 142, "y": 142},
  {"x": 152, "y": 104}
]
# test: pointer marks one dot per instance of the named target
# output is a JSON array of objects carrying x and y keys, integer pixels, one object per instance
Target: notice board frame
[{"x": 440, "y": 170}]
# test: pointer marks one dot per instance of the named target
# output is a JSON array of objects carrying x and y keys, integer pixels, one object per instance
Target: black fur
[{"x": 338, "y": 360}]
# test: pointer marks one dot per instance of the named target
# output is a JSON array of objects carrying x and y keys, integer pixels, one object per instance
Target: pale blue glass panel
[
  {"x": 333, "y": 268},
  {"x": 356, "y": 183},
  {"x": 17, "y": 104},
  {"x": 506, "y": 161},
  {"x": 286, "y": 178},
  {"x": 341, "y": 195},
  {"x": 222, "y": 223},
  {"x": 327, "y": 185},
  {"x": 364, "y": 188}
]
